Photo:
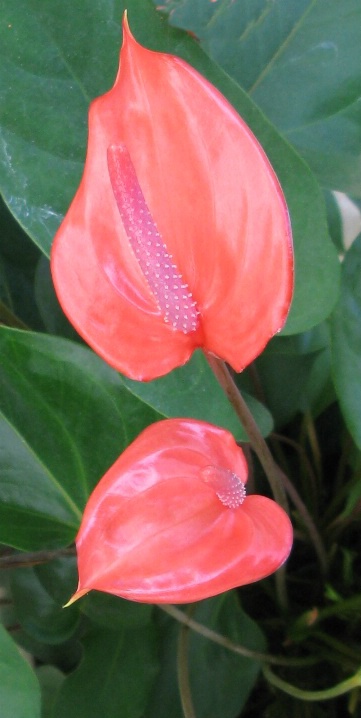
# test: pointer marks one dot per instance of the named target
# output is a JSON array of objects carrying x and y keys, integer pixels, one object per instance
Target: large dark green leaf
[
  {"x": 20, "y": 692},
  {"x": 346, "y": 342},
  {"x": 57, "y": 57},
  {"x": 299, "y": 60},
  {"x": 222, "y": 686},
  {"x": 64, "y": 418},
  {"x": 192, "y": 391},
  {"x": 114, "y": 677}
]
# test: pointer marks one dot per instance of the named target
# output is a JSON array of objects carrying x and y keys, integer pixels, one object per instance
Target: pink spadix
[
  {"x": 162, "y": 275},
  {"x": 229, "y": 488}
]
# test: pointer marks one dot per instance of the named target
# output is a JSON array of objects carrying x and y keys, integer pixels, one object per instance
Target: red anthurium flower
[
  {"x": 178, "y": 236},
  {"x": 170, "y": 521}
]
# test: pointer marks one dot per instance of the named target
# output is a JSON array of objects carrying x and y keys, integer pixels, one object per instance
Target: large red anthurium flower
[
  {"x": 170, "y": 521},
  {"x": 178, "y": 236}
]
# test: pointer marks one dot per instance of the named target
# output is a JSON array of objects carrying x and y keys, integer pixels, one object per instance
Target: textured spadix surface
[
  {"x": 171, "y": 522},
  {"x": 214, "y": 210}
]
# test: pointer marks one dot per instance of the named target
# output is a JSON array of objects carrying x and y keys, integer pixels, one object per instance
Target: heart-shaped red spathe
[
  {"x": 209, "y": 193},
  {"x": 159, "y": 527}
]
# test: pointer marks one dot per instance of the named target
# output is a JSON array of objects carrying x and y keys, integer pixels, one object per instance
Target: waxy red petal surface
[
  {"x": 216, "y": 202},
  {"x": 154, "y": 531}
]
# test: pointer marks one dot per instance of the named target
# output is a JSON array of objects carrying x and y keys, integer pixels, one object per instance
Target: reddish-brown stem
[
  {"x": 23, "y": 560},
  {"x": 256, "y": 439},
  {"x": 183, "y": 668},
  {"x": 259, "y": 446}
]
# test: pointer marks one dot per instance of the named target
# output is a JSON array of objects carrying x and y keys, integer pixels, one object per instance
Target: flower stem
[
  {"x": 35, "y": 558},
  {"x": 183, "y": 670},
  {"x": 211, "y": 635},
  {"x": 256, "y": 439},
  {"x": 344, "y": 687}
]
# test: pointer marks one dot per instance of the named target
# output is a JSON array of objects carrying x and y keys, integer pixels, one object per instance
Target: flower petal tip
[{"x": 78, "y": 594}]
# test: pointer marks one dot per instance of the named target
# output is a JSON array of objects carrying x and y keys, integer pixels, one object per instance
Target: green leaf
[
  {"x": 299, "y": 60},
  {"x": 346, "y": 342},
  {"x": 192, "y": 391},
  {"x": 39, "y": 614},
  {"x": 65, "y": 656},
  {"x": 58, "y": 57},
  {"x": 334, "y": 220},
  {"x": 64, "y": 419},
  {"x": 49, "y": 308},
  {"x": 113, "y": 612},
  {"x": 58, "y": 578},
  {"x": 319, "y": 392},
  {"x": 50, "y": 679},
  {"x": 114, "y": 677},
  {"x": 283, "y": 378},
  {"x": 20, "y": 692},
  {"x": 292, "y": 374},
  {"x": 308, "y": 342},
  {"x": 226, "y": 679},
  {"x": 18, "y": 261}
]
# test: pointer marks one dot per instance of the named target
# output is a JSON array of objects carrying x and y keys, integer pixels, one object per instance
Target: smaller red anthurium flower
[
  {"x": 178, "y": 237},
  {"x": 170, "y": 521}
]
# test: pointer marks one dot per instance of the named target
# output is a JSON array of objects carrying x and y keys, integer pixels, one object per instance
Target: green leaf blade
[
  {"x": 64, "y": 419},
  {"x": 114, "y": 677},
  {"x": 346, "y": 342},
  {"x": 20, "y": 691},
  {"x": 299, "y": 60},
  {"x": 192, "y": 391}
]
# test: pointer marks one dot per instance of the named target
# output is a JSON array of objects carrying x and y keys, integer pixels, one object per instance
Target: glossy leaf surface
[
  {"x": 305, "y": 53},
  {"x": 167, "y": 523},
  {"x": 64, "y": 417},
  {"x": 193, "y": 392},
  {"x": 346, "y": 342},
  {"x": 178, "y": 236}
]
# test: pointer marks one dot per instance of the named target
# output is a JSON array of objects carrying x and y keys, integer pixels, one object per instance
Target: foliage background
[{"x": 291, "y": 69}]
